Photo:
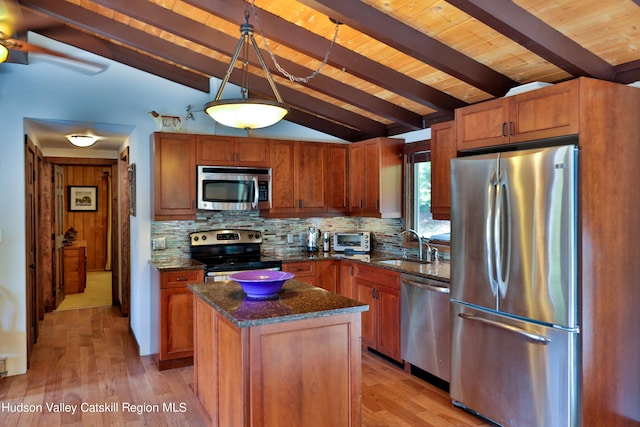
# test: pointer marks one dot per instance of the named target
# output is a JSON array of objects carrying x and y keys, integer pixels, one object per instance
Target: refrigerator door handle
[
  {"x": 490, "y": 227},
  {"x": 535, "y": 338},
  {"x": 502, "y": 233}
]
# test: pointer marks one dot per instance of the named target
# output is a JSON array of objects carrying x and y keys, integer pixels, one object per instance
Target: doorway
[{"x": 96, "y": 229}]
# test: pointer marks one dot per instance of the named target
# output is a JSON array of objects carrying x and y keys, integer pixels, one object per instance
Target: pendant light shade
[
  {"x": 4, "y": 52},
  {"x": 246, "y": 113}
]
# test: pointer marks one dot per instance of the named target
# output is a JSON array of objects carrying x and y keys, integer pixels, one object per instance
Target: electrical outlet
[
  {"x": 289, "y": 238},
  {"x": 159, "y": 244}
]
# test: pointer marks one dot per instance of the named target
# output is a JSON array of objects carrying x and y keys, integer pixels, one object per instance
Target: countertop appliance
[
  {"x": 233, "y": 188},
  {"x": 359, "y": 242},
  {"x": 313, "y": 239},
  {"x": 514, "y": 302},
  {"x": 424, "y": 324},
  {"x": 227, "y": 251}
]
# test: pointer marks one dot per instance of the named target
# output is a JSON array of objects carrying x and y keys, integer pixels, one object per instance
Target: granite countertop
[
  {"x": 437, "y": 270},
  {"x": 177, "y": 264},
  {"x": 296, "y": 301}
]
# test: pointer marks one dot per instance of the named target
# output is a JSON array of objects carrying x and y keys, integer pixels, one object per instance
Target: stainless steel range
[{"x": 227, "y": 251}]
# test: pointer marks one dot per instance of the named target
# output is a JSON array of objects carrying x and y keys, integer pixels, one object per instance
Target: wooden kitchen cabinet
[
  {"x": 75, "y": 268},
  {"x": 380, "y": 289},
  {"x": 443, "y": 149},
  {"x": 345, "y": 283},
  {"x": 544, "y": 113},
  {"x": 176, "y": 318},
  {"x": 213, "y": 150},
  {"x": 174, "y": 176},
  {"x": 337, "y": 180},
  {"x": 320, "y": 273},
  {"x": 299, "y": 174},
  {"x": 375, "y": 178}
]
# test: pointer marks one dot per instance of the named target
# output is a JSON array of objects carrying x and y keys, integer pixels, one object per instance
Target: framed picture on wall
[{"x": 83, "y": 198}]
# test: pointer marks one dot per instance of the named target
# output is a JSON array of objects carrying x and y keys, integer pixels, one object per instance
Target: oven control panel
[{"x": 225, "y": 237}]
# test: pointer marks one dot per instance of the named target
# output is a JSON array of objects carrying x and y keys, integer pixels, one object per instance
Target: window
[
  {"x": 418, "y": 195},
  {"x": 420, "y": 202}
]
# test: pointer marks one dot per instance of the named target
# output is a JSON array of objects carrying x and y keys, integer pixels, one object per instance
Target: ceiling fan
[{"x": 10, "y": 20}]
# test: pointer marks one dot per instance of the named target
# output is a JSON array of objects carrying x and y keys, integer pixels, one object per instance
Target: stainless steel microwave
[{"x": 233, "y": 188}]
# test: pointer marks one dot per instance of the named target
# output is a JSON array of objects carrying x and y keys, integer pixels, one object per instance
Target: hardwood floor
[{"x": 87, "y": 360}]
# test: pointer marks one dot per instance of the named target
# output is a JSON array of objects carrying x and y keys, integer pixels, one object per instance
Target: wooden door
[
  {"x": 327, "y": 275},
  {"x": 337, "y": 184},
  {"x": 176, "y": 306},
  {"x": 482, "y": 125},
  {"x": 310, "y": 176},
  {"x": 372, "y": 178},
  {"x": 214, "y": 150},
  {"x": 252, "y": 152},
  {"x": 357, "y": 175},
  {"x": 365, "y": 293},
  {"x": 545, "y": 113},
  {"x": 58, "y": 227},
  {"x": 443, "y": 149},
  {"x": 389, "y": 321},
  {"x": 174, "y": 176},
  {"x": 283, "y": 197},
  {"x": 31, "y": 215}
]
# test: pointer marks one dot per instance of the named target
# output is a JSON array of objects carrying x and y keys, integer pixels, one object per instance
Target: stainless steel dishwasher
[{"x": 425, "y": 324}]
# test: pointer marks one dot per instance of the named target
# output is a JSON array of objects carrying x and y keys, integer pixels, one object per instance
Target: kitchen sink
[{"x": 401, "y": 262}]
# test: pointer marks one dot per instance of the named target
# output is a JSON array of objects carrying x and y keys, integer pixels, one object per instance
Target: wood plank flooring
[{"x": 87, "y": 360}]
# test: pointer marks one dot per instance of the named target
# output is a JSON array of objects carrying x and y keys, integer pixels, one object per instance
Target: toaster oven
[{"x": 352, "y": 242}]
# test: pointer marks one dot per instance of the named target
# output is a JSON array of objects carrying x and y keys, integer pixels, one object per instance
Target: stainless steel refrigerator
[{"x": 514, "y": 298}]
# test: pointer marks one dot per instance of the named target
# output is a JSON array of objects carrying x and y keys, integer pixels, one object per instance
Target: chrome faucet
[{"x": 410, "y": 230}]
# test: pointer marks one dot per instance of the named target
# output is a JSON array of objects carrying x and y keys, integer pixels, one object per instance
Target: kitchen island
[{"x": 293, "y": 359}]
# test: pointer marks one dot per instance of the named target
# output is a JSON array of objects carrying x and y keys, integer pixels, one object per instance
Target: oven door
[{"x": 233, "y": 188}]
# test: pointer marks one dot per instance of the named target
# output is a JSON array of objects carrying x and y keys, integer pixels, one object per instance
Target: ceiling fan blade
[{"x": 88, "y": 66}]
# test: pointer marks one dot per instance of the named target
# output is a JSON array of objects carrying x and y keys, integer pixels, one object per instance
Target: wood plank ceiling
[{"x": 398, "y": 65}]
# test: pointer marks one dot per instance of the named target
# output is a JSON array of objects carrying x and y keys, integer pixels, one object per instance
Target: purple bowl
[{"x": 261, "y": 283}]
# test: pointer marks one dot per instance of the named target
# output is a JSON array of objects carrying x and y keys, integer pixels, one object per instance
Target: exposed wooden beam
[
  {"x": 527, "y": 30},
  {"x": 412, "y": 42},
  {"x": 310, "y": 44},
  {"x": 628, "y": 72},
  {"x": 204, "y": 35},
  {"x": 149, "y": 43}
]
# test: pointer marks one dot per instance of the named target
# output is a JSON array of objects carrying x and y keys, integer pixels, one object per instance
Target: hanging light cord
[{"x": 275, "y": 61}]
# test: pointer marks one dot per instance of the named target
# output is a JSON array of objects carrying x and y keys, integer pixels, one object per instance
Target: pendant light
[{"x": 246, "y": 113}]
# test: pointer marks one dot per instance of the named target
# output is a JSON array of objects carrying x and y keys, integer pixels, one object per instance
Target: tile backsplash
[{"x": 384, "y": 232}]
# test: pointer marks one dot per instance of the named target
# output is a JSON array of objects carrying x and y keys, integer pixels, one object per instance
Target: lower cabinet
[
  {"x": 322, "y": 273},
  {"x": 176, "y": 318},
  {"x": 380, "y": 288},
  {"x": 297, "y": 373}
]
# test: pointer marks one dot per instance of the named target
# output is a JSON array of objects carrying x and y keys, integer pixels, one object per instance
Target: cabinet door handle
[
  {"x": 511, "y": 132},
  {"x": 181, "y": 279},
  {"x": 504, "y": 129}
]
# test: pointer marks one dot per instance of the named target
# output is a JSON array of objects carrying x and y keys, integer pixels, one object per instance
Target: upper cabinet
[
  {"x": 298, "y": 173},
  {"x": 308, "y": 179},
  {"x": 544, "y": 113},
  {"x": 174, "y": 176},
  {"x": 212, "y": 150},
  {"x": 375, "y": 176},
  {"x": 443, "y": 149}
]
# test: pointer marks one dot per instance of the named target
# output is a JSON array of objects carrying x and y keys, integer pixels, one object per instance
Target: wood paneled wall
[{"x": 91, "y": 226}]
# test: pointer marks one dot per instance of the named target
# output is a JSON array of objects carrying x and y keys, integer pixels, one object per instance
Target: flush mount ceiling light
[
  {"x": 82, "y": 140},
  {"x": 246, "y": 113}
]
